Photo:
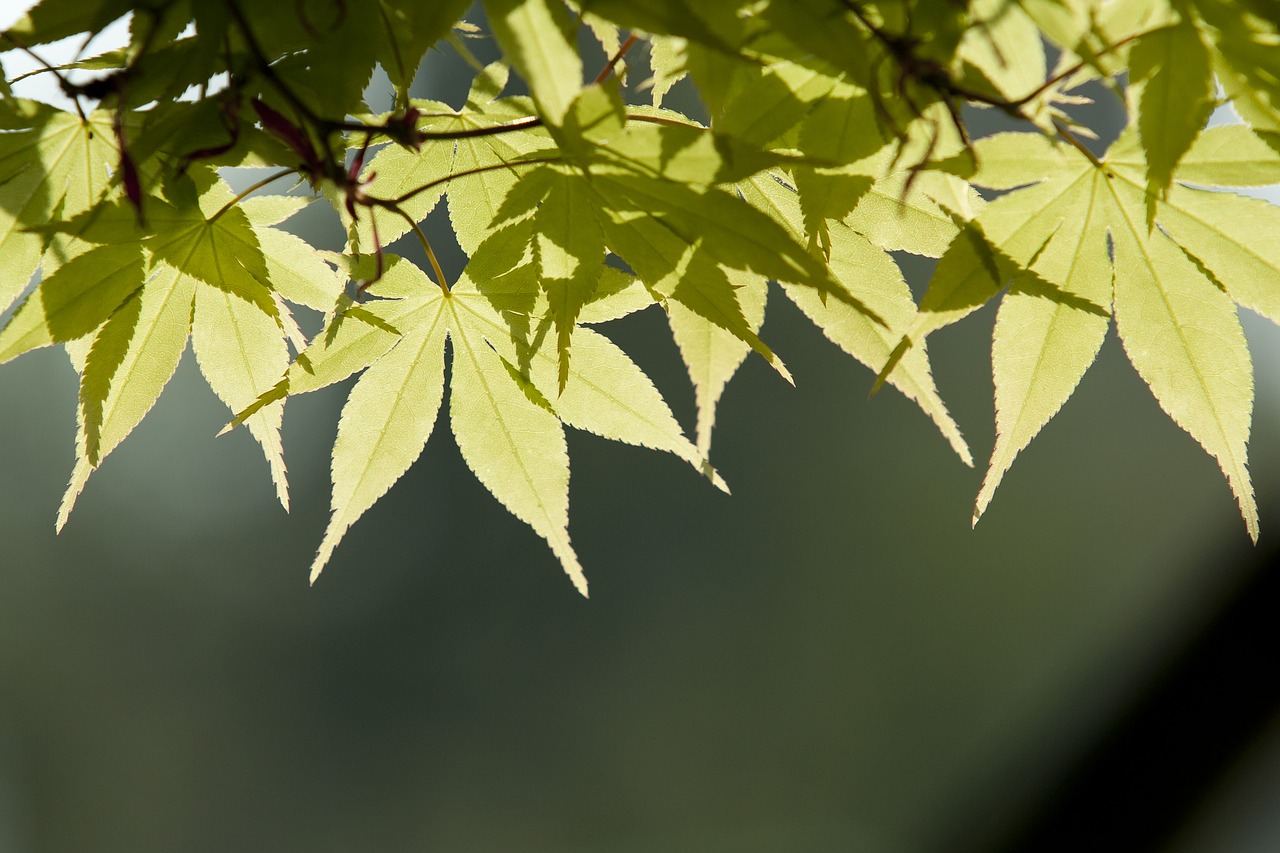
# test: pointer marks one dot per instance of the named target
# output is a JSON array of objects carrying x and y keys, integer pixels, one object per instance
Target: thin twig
[
  {"x": 63, "y": 82},
  {"x": 392, "y": 203},
  {"x": 426, "y": 245},
  {"x": 1075, "y": 141}
]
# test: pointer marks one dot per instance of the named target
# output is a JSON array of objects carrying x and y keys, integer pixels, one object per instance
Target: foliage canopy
[{"x": 833, "y": 136}]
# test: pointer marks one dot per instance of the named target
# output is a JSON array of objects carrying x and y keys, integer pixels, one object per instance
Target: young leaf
[
  {"x": 1235, "y": 237},
  {"x": 296, "y": 271},
  {"x": 487, "y": 168},
  {"x": 51, "y": 20},
  {"x": 604, "y": 392},
  {"x": 355, "y": 337},
  {"x": 409, "y": 29},
  {"x": 616, "y": 296},
  {"x": 1004, "y": 238},
  {"x": 568, "y": 254},
  {"x": 213, "y": 244},
  {"x": 875, "y": 278},
  {"x": 898, "y": 218}
]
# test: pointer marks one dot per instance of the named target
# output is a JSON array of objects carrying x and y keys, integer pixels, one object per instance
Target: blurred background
[{"x": 830, "y": 659}]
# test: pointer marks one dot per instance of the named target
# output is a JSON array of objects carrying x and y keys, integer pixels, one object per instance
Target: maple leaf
[{"x": 1170, "y": 289}]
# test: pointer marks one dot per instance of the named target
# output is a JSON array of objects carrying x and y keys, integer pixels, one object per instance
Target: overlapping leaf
[
  {"x": 129, "y": 296},
  {"x": 507, "y": 422},
  {"x": 834, "y": 135},
  {"x": 1173, "y": 290}
]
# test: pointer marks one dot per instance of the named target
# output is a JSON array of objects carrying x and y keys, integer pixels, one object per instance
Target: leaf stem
[
  {"x": 252, "y": 188},
  {"x": 63, "y": 82},
  {"x": 473, "y": 132},
  {"x": 426, "y": 245},
  {"x": 615, "y": 59},
  {"x": 1077, "y": 144}
]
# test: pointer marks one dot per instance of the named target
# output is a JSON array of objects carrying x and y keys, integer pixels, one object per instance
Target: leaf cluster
[{"x": 830, "y": 136}]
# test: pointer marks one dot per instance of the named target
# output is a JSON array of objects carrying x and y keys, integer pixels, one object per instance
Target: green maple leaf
[
  {"x": 507, "y": 420},
  {"x": 1170, "y": 289},
  {"x": 409, "y": 29}
]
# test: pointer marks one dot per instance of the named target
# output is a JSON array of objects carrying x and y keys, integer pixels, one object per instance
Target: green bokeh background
[{"x": 830, "y": 659}]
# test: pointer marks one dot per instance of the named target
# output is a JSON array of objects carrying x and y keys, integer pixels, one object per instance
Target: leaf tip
[
  {"x": 79, "y": 476},
  {"x": 779, "y": 366},
  {"x": 714, "y": 476}
]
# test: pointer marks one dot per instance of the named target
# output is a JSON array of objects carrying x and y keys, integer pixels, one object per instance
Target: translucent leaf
[
  {"x": 214, "y": 245},
  {"x": 569, "y": 257},
  {"x": 242, "y": 352},
  {"x": 1173, "y": 89},
  {"x": 729, "y": 230},
  {"x": 1228, "y": 156},
  {"x": 409, "y": 29},
  {"x": 486, "y": 175},
  {"x": 273, "y": 209},
  {"x": 354, "y": 337},
  {"x": 1245, "y": 61},
  {"x": 912, "y": 221},
  {"x": 537, "y": 36},
  {"x": 133, "y": 357},
  {"x": 50, "y": 161},
  {"x": 395, "y": 172},
  {"x": 711, "y": 354},
  {"x": 1004, "y": 238},
  {"x": 51, "y": 20},
  {"x": 385, "y": 425},
  {"x": 74, "y": 300},
  {"x": 605, "y": 393},
  {"x": 1183, "y": 336},
  {"x": 515, "y": 447},
  {"x": 1044, "y": 341},
  {"x": 1008, "y": 160},
  {"x": 1004, "y": 43},
  {"x": 1236, "y": 238},
  {"x": 616, "y": 296},
  {"x": 296, "y": 271},
  {"x": 869, "y": 272},
  {"x": 667, "y": 61}
]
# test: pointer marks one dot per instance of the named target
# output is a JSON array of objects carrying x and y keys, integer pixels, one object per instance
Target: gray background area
[{"x": 830, "y": 659}]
